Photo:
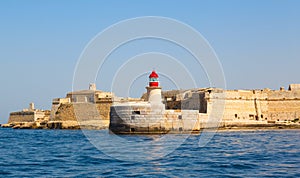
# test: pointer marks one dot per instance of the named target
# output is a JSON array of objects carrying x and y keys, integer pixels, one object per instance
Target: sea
[{"x": 74, "y": 153}]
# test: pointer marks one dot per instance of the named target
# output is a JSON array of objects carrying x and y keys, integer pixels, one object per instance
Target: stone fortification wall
[
  {"x": 283, "y": 105},
  {"x": 146, "y": 118},
  {"x": 81, "y": 108},
  {"x": 82, "y": 111},
  {"x": 186, "y": 100},
  {"x": 183, "y": 121},
  {"x": 287, "y": 110},
  {"x": 134, "y": 117},
  {"x": 87, "y": 115},
  {"x": 22, "y": 116},
  {"x": 241, "y": 107},
  {"x": 29, "y": 116},
  {"x": 246, "y": 106},
  {"x": 53, "y": 111},
  {"x": 63, "y": 112},
  {"x": 55, "y": 105}
]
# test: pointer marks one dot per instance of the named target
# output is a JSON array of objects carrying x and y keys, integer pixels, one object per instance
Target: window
[
  {"x": 136, "y": 112},
  {"x": 251, "y": 116},
  {"x": 256, "y": 117}
]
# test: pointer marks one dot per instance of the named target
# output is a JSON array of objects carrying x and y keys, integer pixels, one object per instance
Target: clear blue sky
[{"x": 257, "y": 42}]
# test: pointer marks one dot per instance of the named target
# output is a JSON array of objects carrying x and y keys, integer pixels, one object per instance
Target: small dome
[{"x": 153, "y": 75}]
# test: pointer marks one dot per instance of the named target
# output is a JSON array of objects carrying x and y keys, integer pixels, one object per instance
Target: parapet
[
  {"x": 57, "y": 101},
  {"x": 293, "y": 87}
]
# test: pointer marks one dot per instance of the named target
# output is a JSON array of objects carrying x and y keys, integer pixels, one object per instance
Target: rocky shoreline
[
  {"x": 71, "y": 125},
  {"x": 262, "y": 127},
  {"x": 93, "y": 125}
]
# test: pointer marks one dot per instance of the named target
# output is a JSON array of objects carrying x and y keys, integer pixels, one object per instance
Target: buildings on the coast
[
  {"x": 166, "y": 111},
  {"x": 79, "y": 109},
  {"x": 85, "y": 108},
  {"x": 242, "y": 107},
  {"x": 192, "y": 110},
  {"x": 28, "y": 117},
  {"x": 150, "y": 116}
]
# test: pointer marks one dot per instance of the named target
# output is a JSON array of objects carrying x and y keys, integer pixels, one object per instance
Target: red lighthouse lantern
[{"x": 153, "y": 79}]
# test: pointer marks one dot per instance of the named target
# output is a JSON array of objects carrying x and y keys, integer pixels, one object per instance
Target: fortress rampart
[
  {"x": 21, "y": 116},
  {"x": 242, "y": 107},
  {"x": 28, "y": 118},
  {"x": 260, "y": 105},
  {"x": 196, "y": 109},
  {"x": 82, "y": 109}
]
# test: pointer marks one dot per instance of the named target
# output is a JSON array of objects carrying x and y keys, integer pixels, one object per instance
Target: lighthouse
[{"x": 154, "y": 90}]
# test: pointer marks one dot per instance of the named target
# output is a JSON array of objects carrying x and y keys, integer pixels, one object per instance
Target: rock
[{"x": 6, "y": 125}]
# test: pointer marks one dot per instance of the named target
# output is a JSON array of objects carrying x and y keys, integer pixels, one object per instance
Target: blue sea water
[{"x": 68, "y": 153}]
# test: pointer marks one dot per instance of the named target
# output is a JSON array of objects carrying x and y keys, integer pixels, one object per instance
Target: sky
[{"x": 257, "y": 43}]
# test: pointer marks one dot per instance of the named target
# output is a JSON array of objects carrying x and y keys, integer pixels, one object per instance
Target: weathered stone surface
[
  {"x": 88, "y": 114},
  {"x": 21, "y": 116},
  {"x": 243, "y": 106}
]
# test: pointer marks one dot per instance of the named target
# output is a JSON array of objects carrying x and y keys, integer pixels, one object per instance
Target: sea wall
[
  {"x": 283, "y": 105},
  {"x": 261, "y": 105},
  {"x": 239, "y": 107},
  {"x": 21, "y": 116},
  {"x": 146, "y": 118}
]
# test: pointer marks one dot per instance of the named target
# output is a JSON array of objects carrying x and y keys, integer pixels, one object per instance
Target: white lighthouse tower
[{"x": 154, "y": 90}]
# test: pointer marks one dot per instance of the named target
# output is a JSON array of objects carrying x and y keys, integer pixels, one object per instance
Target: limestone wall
[
  {"x": 240, "y": 106},
  {"x": 260, "y": 105},
  {"x": 27, "y": 116},
  {"x": 239, "y": 109},
  {"x": 64, "y": 112},
  {"x": 82, "y": 111},
  {"x": 146, "y": 118},
  {"x": 96, "y": 115},
  {"x": 283, "y": 110},
  {"x": 53, "y": 112},
  {"x": 56, "y": 102},
  {"x": 39, "y": 115}
]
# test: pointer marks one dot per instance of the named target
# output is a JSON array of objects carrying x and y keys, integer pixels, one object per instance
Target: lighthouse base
[
  {"x": 154, "y": 94},
  {"x": 147, "y": 118}
]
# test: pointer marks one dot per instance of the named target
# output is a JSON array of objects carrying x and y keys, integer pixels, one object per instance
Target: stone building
[
  {"x": 89, "y": 96},
  {"x": 85, "y": 108},
  {"x": 242, "y": 107},
  {"x": 28, "y": 115}
]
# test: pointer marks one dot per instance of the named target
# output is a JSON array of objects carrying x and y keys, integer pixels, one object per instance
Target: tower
[
  {"x": 92, "y": 86},
  {"x": 31, "y": 107},
  {"x": 154, "y": 90}
]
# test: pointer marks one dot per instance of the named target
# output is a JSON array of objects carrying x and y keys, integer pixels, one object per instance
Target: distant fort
[
  {"x": 166, "y": 111},
  {"x": 193, "y": 110}
]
